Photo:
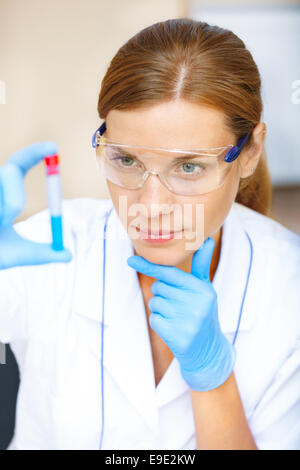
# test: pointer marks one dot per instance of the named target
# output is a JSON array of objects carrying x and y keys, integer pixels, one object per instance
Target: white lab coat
[{"x": 51, "y": 316}]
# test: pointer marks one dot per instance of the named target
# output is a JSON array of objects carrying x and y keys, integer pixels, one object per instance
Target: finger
[
  {"x": 44, "y": 253},
  {"x": 160, "y": 326},
  {"x": 31, "y": 155},
  {"x": 166, "y": 290},
  {"x": 202, "y": 259},
  {"x": 162, "y": 306},
  {"x": 12, "y": 197},
  {"x": 168, "y": 274}
]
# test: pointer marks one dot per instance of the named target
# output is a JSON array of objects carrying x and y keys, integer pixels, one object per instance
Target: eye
[
  {"x": 126, "y": 161},
  {"x": 191, "y": 168}
]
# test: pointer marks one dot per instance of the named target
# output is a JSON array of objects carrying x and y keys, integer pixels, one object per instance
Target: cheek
[
  {"x": 122, "y": 200},
  {"x": 115, "y": 193}
]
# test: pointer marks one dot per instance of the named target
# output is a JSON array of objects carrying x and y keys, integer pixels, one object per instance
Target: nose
[{"x": 155, "y": 195}]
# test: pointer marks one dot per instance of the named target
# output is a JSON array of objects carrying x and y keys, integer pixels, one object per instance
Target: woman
[{"x": 181, "y": 286}]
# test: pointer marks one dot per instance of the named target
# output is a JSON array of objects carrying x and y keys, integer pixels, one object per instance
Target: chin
[{"x": 166, "y": 256}]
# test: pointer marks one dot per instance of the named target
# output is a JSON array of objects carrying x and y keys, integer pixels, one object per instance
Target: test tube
[{"x": 54, "y": 196}]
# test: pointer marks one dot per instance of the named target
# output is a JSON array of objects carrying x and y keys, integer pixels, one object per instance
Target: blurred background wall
[{"x": 53, "y": 56}]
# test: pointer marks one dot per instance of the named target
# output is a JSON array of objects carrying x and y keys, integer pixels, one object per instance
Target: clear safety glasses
[{"x": 191, "y": 172}]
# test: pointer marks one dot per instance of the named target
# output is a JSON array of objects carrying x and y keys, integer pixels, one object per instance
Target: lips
[
  {"x": 160, "y": 233},
  {"x": 157, "y": 237}
]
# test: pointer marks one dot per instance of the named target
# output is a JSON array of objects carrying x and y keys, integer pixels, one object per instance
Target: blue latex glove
[
  {"x": 14, "y": 249},
  {"x": 185, "y": 315}
]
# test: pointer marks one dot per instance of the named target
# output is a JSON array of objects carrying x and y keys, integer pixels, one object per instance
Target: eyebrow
[{"x": 179, "y": 159}]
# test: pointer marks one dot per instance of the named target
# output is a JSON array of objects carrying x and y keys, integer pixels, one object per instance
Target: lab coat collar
[{"x": 234, "y": 281}]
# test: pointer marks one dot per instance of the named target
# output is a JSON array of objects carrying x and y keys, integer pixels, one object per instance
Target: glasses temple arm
[
  {"x": 101, "y": 131},
  {"x": 233, "y": 153}
]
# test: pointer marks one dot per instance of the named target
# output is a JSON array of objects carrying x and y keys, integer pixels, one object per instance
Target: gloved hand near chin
[{"x": 185, "y": 315}]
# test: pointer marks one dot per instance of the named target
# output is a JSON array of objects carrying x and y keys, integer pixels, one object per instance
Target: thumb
[
  {"x": 40, "y": 253},
  {"x": 26, "y": 252},
  {"x": 16, "y": 250},
  {"x": 202, "y": 259}
]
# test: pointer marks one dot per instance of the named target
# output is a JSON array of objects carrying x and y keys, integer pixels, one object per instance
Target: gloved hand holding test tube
[
  {"x": 15, "y": 248},
  {"x": 54, "y": 196}
]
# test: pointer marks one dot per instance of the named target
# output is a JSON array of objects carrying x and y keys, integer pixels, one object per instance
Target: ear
[{"x": 249, "y": 157}]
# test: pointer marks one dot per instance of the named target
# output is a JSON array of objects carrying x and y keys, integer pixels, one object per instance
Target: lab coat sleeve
[
  {"x": 12, "y": 305},
  {"x": 275, "y": 422}
]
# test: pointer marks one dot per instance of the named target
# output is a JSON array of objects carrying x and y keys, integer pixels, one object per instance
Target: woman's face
[{"x": 182, "y": 125}]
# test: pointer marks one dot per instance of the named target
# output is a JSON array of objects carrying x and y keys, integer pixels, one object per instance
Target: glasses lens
[
  {"x": 119, "y": 167},
  {"x": 198, "y": 175},
  {"x": 194, "y": 175}
]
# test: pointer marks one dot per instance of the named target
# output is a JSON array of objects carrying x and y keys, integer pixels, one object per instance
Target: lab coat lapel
[
  {"x": 237, "y": 288},
  {"x": 127, "y": 349},
  {"x": 126, "y": 345},
  {"x": 75, "y": 398}
]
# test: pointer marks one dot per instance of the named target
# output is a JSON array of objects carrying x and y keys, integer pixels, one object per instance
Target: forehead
[{"x": 178, "y": 124}]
